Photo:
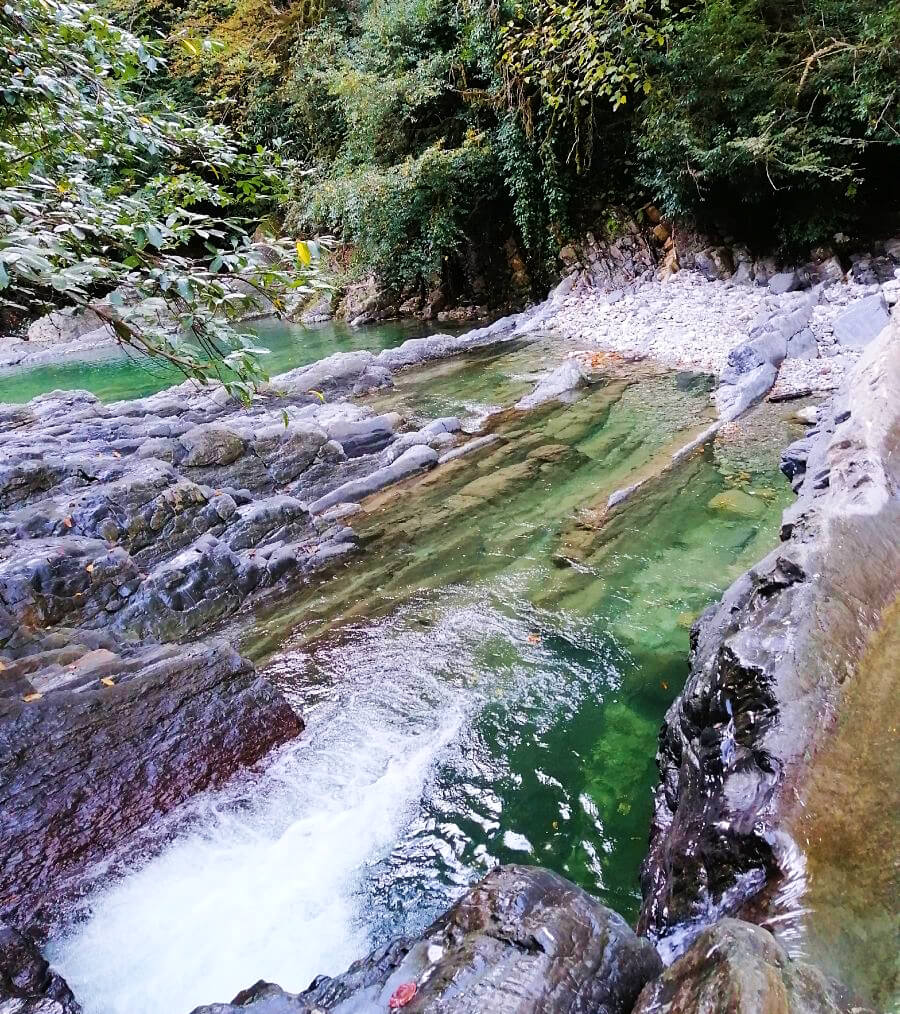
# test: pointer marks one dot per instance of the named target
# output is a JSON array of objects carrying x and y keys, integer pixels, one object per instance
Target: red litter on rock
[{"x": 402, "y": 995}]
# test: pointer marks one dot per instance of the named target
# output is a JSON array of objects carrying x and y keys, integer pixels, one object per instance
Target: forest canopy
[{"x": 426, "y": 134}]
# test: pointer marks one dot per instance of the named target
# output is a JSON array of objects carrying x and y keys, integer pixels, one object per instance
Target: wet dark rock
[
  {"x": 737, "y": 968},
  {"x": 98, "y": 738},
  {"x": 28, "y": 985},
  {"x": 769, "y": 667},
  {"x": 523, "y": 940}
]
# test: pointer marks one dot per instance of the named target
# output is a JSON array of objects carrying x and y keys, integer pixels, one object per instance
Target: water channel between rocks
[{"x": 484, "y": 684}]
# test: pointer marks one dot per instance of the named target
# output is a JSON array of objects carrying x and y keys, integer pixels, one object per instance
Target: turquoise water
[
  {"x": 117, "y": 374},
  {"x": 483, "y": 684}
]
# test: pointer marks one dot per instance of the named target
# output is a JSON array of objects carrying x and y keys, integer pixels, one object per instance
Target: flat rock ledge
[
  {"x": 523, "y": 939},
  {"x": 770, "y": 664}
]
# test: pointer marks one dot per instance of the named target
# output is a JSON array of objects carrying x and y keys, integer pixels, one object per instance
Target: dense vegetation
[
  {"x": 443, "y": 140},
  {"x": 107, "y": 188}
]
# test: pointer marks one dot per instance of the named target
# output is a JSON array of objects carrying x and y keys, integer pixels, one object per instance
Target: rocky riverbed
[{"x": 133, "y": 529}]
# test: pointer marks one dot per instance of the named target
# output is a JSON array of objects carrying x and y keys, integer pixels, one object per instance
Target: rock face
[
  {"x": 28, "y": 985},
  {"x": 97, "y": 738},
  {"x": 862, "y": 322},
  {"x": 737, "y": 968},
  {"x": 523, "y": 940},
  {"x": 769, "y": 668}
]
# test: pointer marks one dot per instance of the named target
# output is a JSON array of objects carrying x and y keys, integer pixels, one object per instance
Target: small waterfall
[{"x": 267, "y": 883}]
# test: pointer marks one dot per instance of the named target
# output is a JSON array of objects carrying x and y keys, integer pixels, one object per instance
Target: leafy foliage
[
  {"x": 103, "y": 190},
  {"x": 787, "y": 116}
]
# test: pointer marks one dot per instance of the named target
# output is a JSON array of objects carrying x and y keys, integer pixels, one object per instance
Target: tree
[{"x": 106, "y": 189}]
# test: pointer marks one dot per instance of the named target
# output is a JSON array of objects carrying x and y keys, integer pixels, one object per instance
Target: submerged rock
[
  {"x": 28, "y": 985},
  {"x": 737, "y": 968},
  {"x": 558, "y": 384},
  {"x": 523, "y": 940},
  {"x": 770, "y": 665}
]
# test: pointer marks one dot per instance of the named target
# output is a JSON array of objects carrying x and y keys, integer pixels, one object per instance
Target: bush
[
  {"x": 406, "y": 221},
  {"x": 776, "y": 122}
]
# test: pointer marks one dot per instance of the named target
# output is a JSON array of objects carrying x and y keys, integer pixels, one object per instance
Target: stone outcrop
[
  {"x": 127, "y": 531},
  {"x": 523, "y": 939},
  {"x": 780, "y": 332},
  {"x": 770, "y": 664},
  {"x": 97, "y": 738},
  {"x": 737, "y": 968},
  {"x": 28, "y": 985}
]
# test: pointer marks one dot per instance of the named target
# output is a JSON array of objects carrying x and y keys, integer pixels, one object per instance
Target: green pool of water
[
  {"x": 484, "y": 683},
  {"x": 564, "y": 630},
  {"x": 115, "y": 374}
]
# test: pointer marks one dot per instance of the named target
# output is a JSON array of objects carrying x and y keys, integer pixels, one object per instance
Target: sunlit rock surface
[{"x": 522, "y": 940}]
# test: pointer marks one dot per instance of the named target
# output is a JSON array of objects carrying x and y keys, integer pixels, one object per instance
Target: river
[{"x": 484, "y": 684}]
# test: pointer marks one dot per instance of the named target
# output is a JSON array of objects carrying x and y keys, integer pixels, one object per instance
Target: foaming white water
[{"x": 270, "y": 888}]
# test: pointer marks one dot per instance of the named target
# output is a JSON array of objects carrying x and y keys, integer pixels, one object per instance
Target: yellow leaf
[
  {"x": 108, "y": 681},
  {"x": 28, "y": 698},
  {"x": 68, "y": 522},
  {"x": 318, "y": 394},
  {"x": 90, "y": 568},
  {"x": 303, "y": 253}
]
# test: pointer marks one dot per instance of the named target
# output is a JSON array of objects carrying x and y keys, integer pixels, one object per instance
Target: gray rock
[
  {"x": 60, "y": 328},
  {"x": 784, "y": 281},
  {"x": 802, "y": 345},
  {"x": 715, "y": 263},
  {"x": 743, "y": 274},
  {"x": 469, "y": 447},
  {"x": 732, "y": 399},
  {"x": 210, "y": 445},
  {"x": 830, "y": 271},
  {"x": 523, "y": 940},
  {"x": 411, "y": 461},
  {"x": 861, "y": 322},
  {"x": 363, "y": 436},
  {"x": 737, "y": 968},
  {"x": 561, "y": 382},
  {"x": 28, "y": 985},
  {"x": 287, "y": 451}
]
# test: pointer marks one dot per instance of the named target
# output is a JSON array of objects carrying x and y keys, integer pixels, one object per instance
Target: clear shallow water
[
  {"x": 117, "y": 374},
  {"x": 485, "y": 684}
]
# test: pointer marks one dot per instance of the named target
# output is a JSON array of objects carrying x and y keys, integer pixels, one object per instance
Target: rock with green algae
[
  {"x": 736, "y": 501},
  {"x": 735, "y": 967}
]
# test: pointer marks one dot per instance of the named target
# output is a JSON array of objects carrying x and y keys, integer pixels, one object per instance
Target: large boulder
[
  {"x": 523, "y": 940},
  {"x": 28, "y": 985},
  {"x": 737, "y": 968},
  {"x": 862, "y": 321},
  {"x": 98, "y": 739}
]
